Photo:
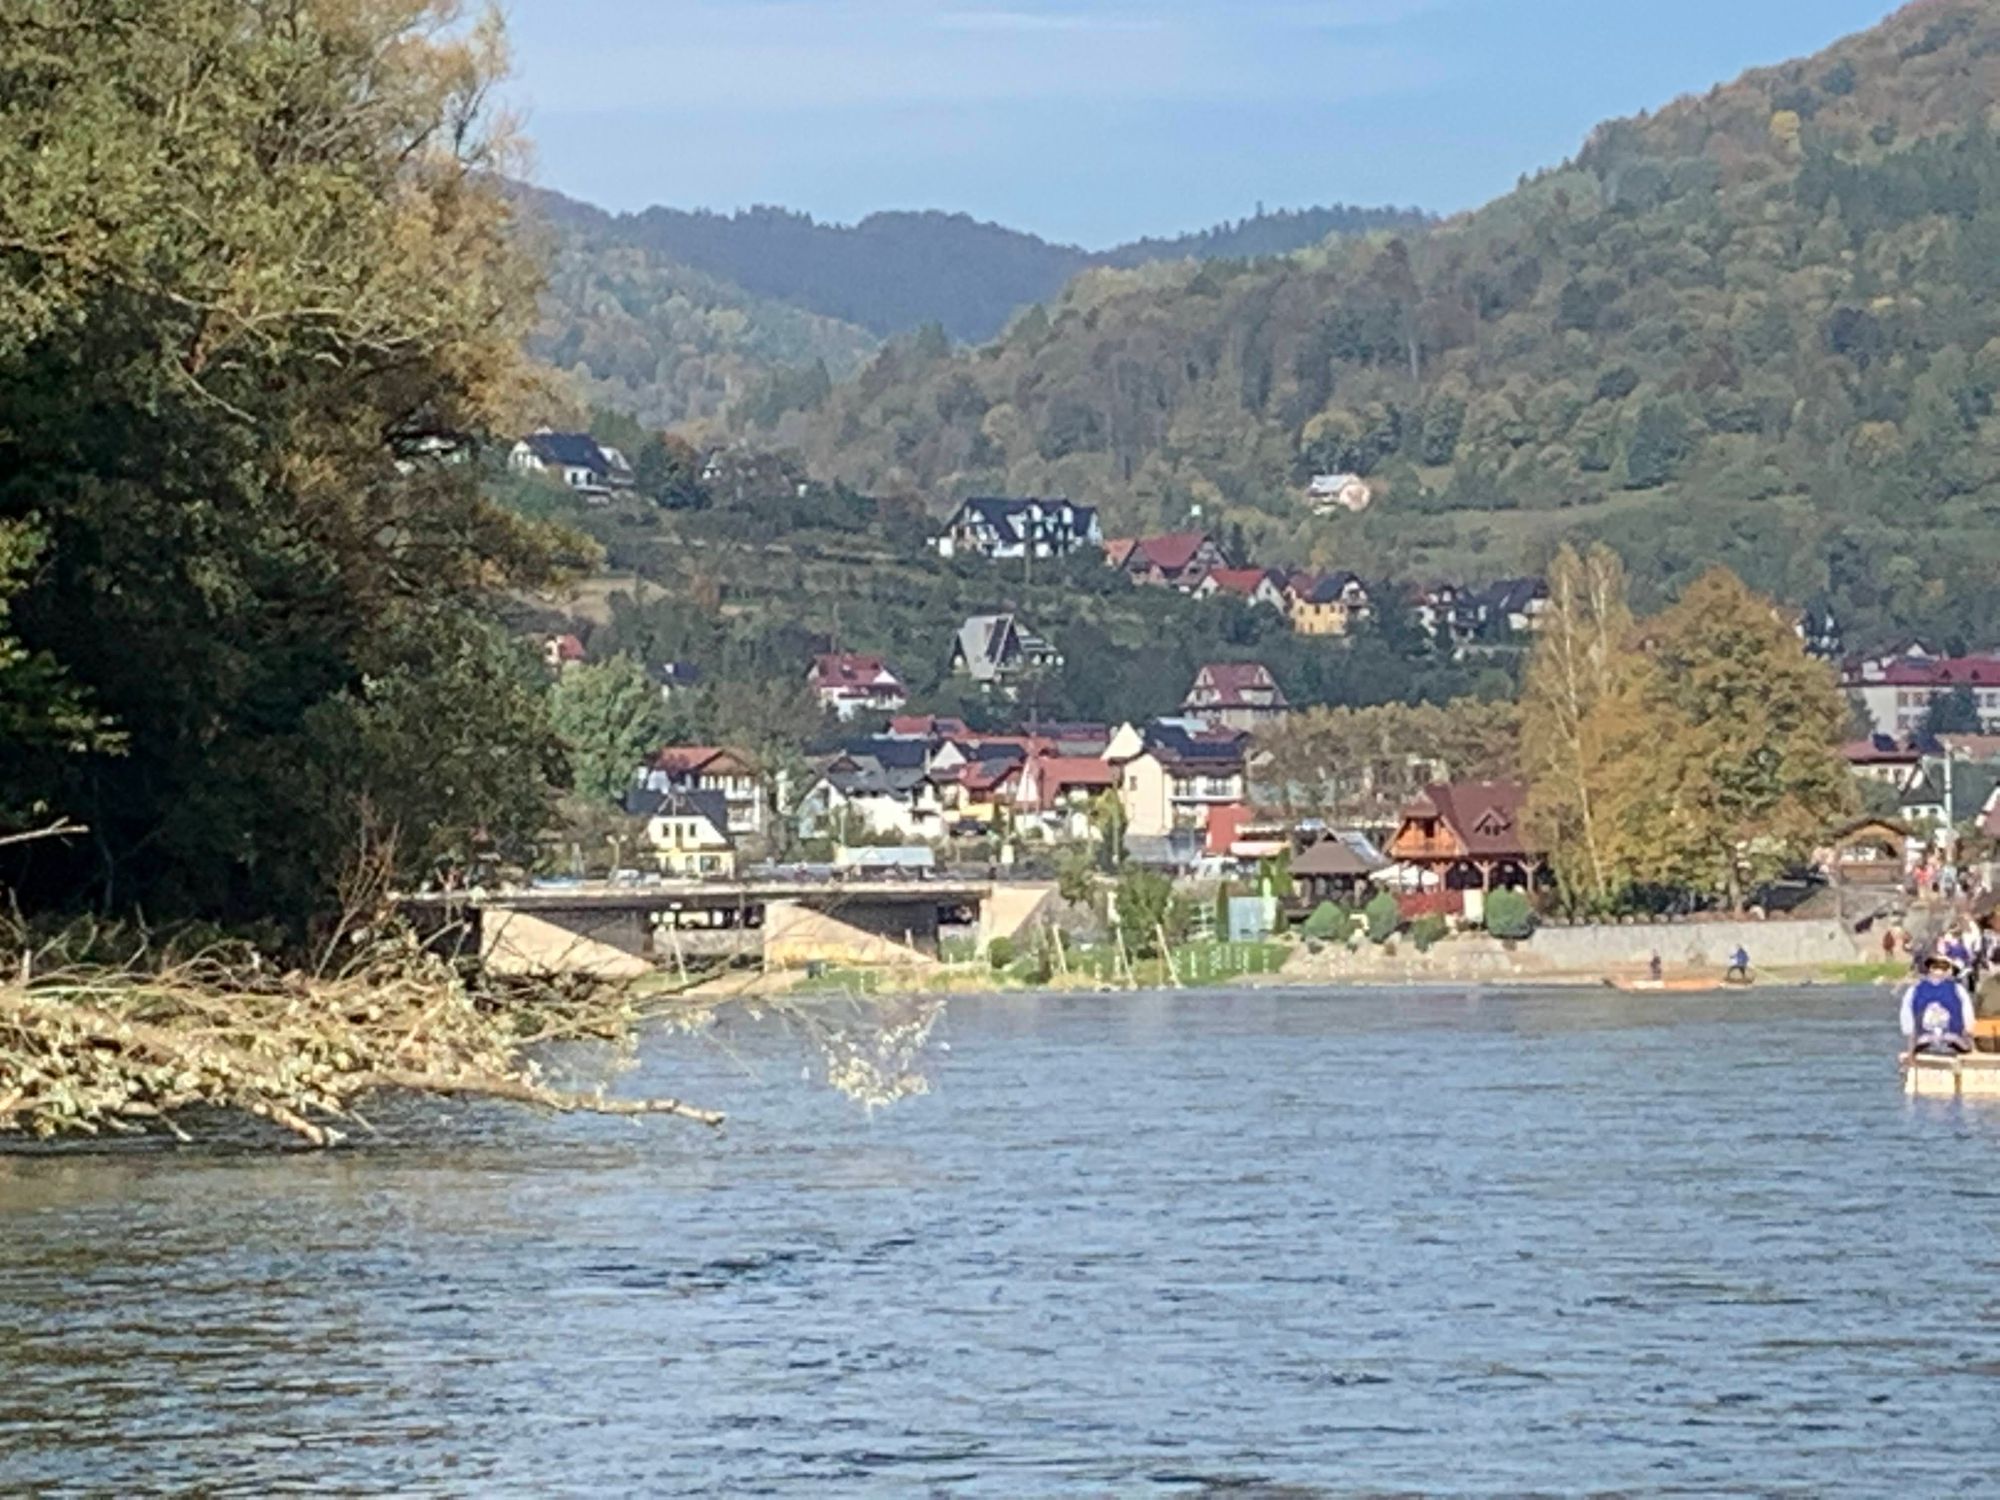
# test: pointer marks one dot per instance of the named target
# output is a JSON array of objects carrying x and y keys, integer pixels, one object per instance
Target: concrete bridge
[{"x": 623, "y": 930}]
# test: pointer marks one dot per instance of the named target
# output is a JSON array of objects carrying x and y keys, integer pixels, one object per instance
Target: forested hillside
[
  {"x": 635, "y": 330},
  {"x": 1758, "y": 327},
  {"x": 896, "y": 272}
]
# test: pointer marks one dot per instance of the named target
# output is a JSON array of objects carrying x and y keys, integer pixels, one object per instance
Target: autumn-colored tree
[
  {"x": 1720, "y": 765},
  {"x": 1582, "y": 655}
]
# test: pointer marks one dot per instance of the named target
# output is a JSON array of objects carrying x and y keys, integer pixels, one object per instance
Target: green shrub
[
  {"x": 1428, "y": 932},
  {"x": 1384, "y": 918},
  {"x": 1509, "y": 915},
  {"x": 1146, "y": 905},
  {"x": 1327, "y": 921},
  {"x": 1001, "y": 953}
]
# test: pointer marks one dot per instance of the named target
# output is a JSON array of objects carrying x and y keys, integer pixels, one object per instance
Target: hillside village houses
[
  {"x": 575, "y": 460},
  {"x": 1236, "y": 695},
  {"x": 1001, "y": 530},
  {"x": 848, "y": 683},
  {"x": 996, "y": 651},
  {"x": 1174, "y": 773},
  {"x": 1896, "y": 691},
  {"x": 1934, "y": 785},
  {"x": 1178, "y": 783},
  {"x": 1264, "y": 587},
  {"x": 672, "y": 677},
  {"x": 687, "y": 832},
  {"x": 561, "y": 652},
  {"x": 1455, "y": 615},
  {"x": 1180, "y": 560},
  {"x": 710, "y": 768},
  {"x": 1328, "y": 494},
  {"x": 1330, "y": 604}
]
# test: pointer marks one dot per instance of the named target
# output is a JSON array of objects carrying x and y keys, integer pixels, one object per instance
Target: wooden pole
[
  {"x": 1167, "y": 955},
  {"x": 1125, "y": 959}
]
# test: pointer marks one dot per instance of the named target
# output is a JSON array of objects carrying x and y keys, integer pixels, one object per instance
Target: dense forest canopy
[
  {"x": 1756, "y": 328},
  {"x": 258, "y": 300},
  {"x": 635, "y": 329},
  {"x": 717, "y": 319}
]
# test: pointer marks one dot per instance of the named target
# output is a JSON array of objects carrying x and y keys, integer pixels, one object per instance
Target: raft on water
[
  {"x": 1688, "y": 986},
  {"x": 1974, "y": 1075}
]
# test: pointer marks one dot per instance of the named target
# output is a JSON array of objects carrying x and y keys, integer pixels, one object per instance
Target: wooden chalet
[
  {"x": 1469, "y": 836},
  {"x": 1872, "y": 852}
]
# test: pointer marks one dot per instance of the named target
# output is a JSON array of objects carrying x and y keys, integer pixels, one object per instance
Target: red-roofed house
[
  {"x": 560, "y": 652},
  {"x": 926, "y": 727},
  {"x": 1468, "y": 836},
  {"x": 1180, "y": 560},
  {"x": 1263, "y": 586},
  {"x": 709, "y": 768},
  {"x": 848, "y": 682},
  {"x": 1236, "y": 695},
  {"x": 1058, "y": 790},
  {"x": 1894, "y": 762},
  {"x": 1897, "y": 692}
]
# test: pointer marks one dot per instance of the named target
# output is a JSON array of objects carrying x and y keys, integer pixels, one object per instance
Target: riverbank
[{"x": 1788, "y": 953}]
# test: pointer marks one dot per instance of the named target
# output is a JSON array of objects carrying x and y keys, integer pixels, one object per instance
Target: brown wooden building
[
  {"x": 1873, "y": 852},
  {"x": 1470, "y": 836}
]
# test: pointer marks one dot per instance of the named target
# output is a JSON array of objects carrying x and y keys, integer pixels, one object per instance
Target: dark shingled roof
[
  {"x": 644, "y": 802},
  {"x": 576, "y": 450}
]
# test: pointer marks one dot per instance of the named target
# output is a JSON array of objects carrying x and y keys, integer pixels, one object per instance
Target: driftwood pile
[{"x": 95, "y": 1050}]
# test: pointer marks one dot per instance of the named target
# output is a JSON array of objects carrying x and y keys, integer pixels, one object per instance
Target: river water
[{"x": 1251, "y": 1244}]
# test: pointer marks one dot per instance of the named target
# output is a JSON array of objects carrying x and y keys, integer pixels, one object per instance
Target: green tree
[
  {"x": 1955, "y": 712},
  {"x": 1076, "y": 877},
  {"x": 667, "y": 471},
  {"x": 1146, "y": 906},
  {"x": 251, "y": 313},
  {"x": 1107, "y": 821},
  {"x": 41, "y": 711},
  {"x": 1658, "y": 444},
  {"x": 610, "y": 717}
]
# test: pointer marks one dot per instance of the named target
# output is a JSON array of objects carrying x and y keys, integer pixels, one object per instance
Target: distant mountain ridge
[
  {"x": 892, "y": 273},
  {"x": 1759, "y": 326}
]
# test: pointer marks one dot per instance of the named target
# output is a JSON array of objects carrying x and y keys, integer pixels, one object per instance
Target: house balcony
[{"x": 1437, "y": 849}]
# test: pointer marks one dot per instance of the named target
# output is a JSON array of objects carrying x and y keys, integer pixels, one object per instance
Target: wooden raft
[{"x": 1973, "y": 1076}]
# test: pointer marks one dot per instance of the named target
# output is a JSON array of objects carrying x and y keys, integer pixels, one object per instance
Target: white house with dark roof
[
  {"x": 999, "y": 529},
  {"x": 573, "y": 459},
  {"x": 687, "y": 831}
]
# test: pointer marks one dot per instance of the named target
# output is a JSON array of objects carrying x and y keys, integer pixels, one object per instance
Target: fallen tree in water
[{"x": 90, "y": 1050}]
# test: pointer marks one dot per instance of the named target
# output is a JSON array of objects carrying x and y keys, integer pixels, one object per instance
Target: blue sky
[{"x": 1096, "y": 121}]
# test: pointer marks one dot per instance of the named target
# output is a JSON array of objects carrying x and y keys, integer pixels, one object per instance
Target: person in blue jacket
[
  {"x": 1739, "y": 965},
  {"x": 1937, "y": 1011}
]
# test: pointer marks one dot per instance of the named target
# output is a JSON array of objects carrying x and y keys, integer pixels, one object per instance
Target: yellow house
[
  {"x": 1329, "y": 605},
  {"x": 687, "y": 832}
]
